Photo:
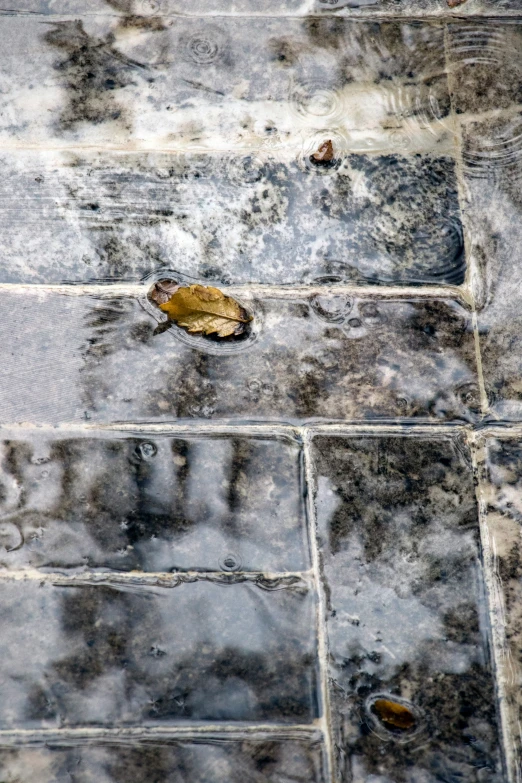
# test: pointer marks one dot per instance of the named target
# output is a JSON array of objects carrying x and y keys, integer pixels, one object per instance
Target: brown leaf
[
  {"x": 393, "y": 714},
  {"x": 455, "y": 3},
  {"x": 163, "y": 290},
  {"x": 205, "y": 310},
  {"x": 325, "y": 153}
]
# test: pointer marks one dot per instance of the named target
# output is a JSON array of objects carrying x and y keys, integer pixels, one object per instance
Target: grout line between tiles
[
  {"x": 484, "y": 402},
  {"x": 111, "y": 290},
  {"x": 204, "y": 428},
  {"x": 443, "y": 15},
  {"x": 82, "y": 735},
  {"x": 495, "y": 605},
  {"x": 160, "y": 579},
  {"x": 321, "y": 605}
]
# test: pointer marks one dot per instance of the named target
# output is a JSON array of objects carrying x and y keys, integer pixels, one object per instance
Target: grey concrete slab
[
  {"x": 407, "y": 621},
  {"x": 153, "y": 504},
  {"x": 144, "y": 656},
  {"x": 81, "y": 358}
]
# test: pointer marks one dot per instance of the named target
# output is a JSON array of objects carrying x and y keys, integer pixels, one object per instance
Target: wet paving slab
[
  {"x": 135, "y": 655},
  {"x": 216, "y": 759},
  {"x": 290, "y": 554},
  {"x": 501, "y": 497},
  {"x": 145, "y": 9},
  {"x": 226, "y": 503},
  {"x": 330, "y": 358},
  {"x": 244, "y": 218},
  {"x": 411, "y": 680},
  {"x": 222, "y": 84},
  {"x": 491, "y": 218}
]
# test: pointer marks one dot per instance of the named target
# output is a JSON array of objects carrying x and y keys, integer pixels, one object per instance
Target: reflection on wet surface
[
  {"x": 153, "y": 504},
  {"x": 267, "y": 218},
  {"x": 144, "y": 656},
  {"x": 502, "y": 496},
  {"x": 212, "y": 760},
  {"x": 399, "y": 536},
  {"x": 100, "y": 360},
  {"x": 349, "y": 171}
]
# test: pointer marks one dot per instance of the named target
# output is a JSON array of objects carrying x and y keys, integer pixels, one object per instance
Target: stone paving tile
[
  {"x": 406, "y": 619},
  {"x": 502, "y": 496},
  {"x": 492, "y": 160},
  {"x": 82, "y": 358},
  {"x": 152, "y": 504},
  {"x": 477, "y": 53},
  {"x": 130, "y": 9},
  {"x": 233, "y": 219},
  {"x": 227, "y": 84},
  {"x": 145, "y": 656},
  {"x": 215, "y": 760}
]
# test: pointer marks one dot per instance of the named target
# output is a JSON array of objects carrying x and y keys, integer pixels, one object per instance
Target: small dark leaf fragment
[
  {"x": 393, "y": 714},
  {"x": 162, "y": 327},
  {"x": 324, "y": 154},
  {"x": 163, "y": 290}
]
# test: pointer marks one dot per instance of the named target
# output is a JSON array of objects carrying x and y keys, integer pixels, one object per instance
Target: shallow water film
[{"x": 261, "y": 391}]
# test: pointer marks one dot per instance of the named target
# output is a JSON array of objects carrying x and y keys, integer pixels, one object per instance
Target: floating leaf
[
  {"x": 455, "y": 3},
  {"x": 393, "y": 714},
  {"x": 205, "y": 310},
  {"x": 325, "y": 153}
]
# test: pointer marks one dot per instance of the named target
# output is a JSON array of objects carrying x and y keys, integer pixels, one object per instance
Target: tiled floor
[{"x": 217, "y": 559}]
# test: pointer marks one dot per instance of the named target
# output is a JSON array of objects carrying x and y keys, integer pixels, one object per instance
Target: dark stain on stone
[
  {"x": 395, "y": 497},
  {"x": 283, "y": 52},
  {"x": 386, "y": 476},
  {"x": 325, "y": 33},
  {"x": 91, "y": 71},
  {"x": 462, "y": 624}
]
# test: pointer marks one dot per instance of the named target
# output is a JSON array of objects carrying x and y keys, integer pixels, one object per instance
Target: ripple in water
[
  {"x": 310, "y": 154},
  {"x": 206, "y": 46},
  {"x": 244, "y": 170},
  {"x": 318, "y": 103},
  {"x": 500, "y": 147},
  {"x": 495, "y": 49}
]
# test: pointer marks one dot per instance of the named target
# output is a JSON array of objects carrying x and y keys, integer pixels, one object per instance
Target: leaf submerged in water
[
  {"x": 393, "y": 714},
  {"x": 205, "y": 310},
  {"x": 325, "y": 153}
]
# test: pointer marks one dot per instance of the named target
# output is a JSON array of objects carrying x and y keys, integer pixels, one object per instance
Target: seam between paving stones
[
  {"x": 495, "y": 605},
  {"x": 134, "y": 290},
  {"x": 321, "y": 605},
  {"x": 168, "y": 579},
  {"x": 491, "y": 580},
  {"x": 80, "y": 735},
  {"x": 442, "y": 15}
]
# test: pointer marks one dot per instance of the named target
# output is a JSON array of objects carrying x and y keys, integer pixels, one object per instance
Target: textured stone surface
[
  {"x": 241, "y": 218},
  {"x": 213, "y": 760},
  {"x": 502, "y": 495},
  {"x": 164, "y": 616},
  {"x": 399, "y": 538},
  {"x": 134, "y": 655},
  {"x": 228, "y": 84},
  {"x": 153, "y": 504},
  {"x": 82, "y": 358},
  {"x": 477, "y": 53},
  {"x": 493, "y": 170},
  {"x": 130, "y": 9}
]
